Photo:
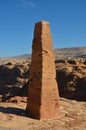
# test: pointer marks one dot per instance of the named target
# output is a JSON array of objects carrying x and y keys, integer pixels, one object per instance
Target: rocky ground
[
  {"x": 72, "y": 117},
  {"x": 71, "y": 78}
]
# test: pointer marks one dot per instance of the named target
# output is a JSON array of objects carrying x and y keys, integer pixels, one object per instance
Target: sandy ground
[{"x": 72, "y": 117}]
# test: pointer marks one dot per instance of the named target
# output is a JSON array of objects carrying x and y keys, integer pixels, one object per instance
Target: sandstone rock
[
  {"x": 18, "y": 99},
  {"x": 43, "y": 97},
  {"x": 72, "y": 81}
]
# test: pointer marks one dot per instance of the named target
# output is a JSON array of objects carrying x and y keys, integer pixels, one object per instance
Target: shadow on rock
[
  {"x": 13, "y": 81},
  {"x": 71, "y": 83},
  {"x": 7, "y": 92},
  {"x": 8, "y": 76}
]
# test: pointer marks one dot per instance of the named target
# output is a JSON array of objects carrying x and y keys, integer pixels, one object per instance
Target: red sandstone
[{"x": 43, "y": 96}]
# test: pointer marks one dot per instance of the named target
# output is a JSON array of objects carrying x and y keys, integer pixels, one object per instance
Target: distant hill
[
  {"x": 64, "y": 53},
  {"x": 68, "y": 53}
]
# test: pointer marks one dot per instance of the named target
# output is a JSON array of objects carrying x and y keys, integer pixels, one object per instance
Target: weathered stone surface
[{"x": 43, "y": 96}]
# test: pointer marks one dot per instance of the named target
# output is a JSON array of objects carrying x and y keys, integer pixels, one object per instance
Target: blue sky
[{"x": 67, "y": 20}]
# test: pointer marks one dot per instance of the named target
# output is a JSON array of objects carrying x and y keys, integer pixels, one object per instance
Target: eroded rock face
[
  {"x": 43, "y": 96},
  {"x": 71, "y": 77}
]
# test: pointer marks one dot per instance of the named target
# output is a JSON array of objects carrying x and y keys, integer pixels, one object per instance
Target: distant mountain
[
  {"x": 64, "y": 53},
  {"x": 25, "y": 56},
  {"x": 67, "y": 53}
]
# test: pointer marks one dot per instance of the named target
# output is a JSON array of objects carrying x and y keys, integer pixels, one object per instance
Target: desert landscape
[
  {"x": 42, "y": 65},
  {"x": 71, "y": 78}
]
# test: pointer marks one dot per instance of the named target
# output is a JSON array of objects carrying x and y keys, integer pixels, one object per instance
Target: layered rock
[{"x": 43, "y": 96}]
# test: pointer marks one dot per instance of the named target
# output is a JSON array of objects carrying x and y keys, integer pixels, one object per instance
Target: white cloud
[{"x": 25, "y": 3}]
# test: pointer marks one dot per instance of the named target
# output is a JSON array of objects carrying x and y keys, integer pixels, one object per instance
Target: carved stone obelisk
[{"x": 43, "y": 96}]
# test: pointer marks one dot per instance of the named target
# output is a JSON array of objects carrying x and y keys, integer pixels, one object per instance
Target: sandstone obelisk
[{"x": 43, "y": 96}]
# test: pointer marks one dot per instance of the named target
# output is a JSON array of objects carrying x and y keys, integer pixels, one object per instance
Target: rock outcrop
[
  {"x": 71, "y": 77},
  {"x": 43, "y": 96}
]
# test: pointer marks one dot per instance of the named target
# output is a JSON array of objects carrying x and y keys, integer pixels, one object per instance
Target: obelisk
[{"x": 43, "y": 96}]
